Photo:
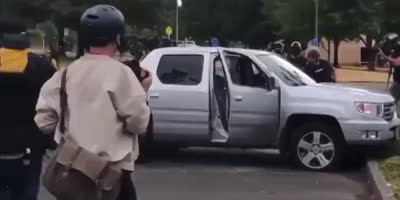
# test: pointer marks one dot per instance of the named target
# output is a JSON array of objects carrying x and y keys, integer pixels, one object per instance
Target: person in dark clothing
[
  {"x": 318, "y": 69},
  {"x": 22, "y": 147},
  {"x": 394, "y": 61},
  {"x": 295, "y": 57},
  {"x": 277, "y": 47}
]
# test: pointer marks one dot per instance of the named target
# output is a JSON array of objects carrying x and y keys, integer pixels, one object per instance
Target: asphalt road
[{"x": 220, "y": 174}]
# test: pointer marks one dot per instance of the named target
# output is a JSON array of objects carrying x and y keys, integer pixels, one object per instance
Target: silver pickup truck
[{"x": 220, "y": 97}]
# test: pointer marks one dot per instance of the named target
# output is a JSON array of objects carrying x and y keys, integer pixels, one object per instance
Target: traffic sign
[
  {"x": 314, "y": 42},
  {"x": 168, "y": 30}
]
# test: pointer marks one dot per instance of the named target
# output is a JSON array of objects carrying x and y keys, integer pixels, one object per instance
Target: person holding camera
[
  {"x": 394, "y": 61},
  {"x": 97, "y": 108}
]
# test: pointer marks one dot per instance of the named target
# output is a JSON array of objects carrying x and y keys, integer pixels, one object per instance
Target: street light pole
[
  {"x": 317, "y": 20},
  {"x": 177, "y": 24},
  {"x": 178, "y": 4}
]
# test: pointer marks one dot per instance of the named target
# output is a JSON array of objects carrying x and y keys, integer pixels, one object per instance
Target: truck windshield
[{"x": 285, "y": 71}]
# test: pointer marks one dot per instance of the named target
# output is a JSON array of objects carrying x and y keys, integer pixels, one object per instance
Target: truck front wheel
[{"x": 317, "y": 147}]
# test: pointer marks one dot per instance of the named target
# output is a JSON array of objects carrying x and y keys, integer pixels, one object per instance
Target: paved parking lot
[
  {"x": 220, "y": 174},
  {"x": 216, "y": 174}
]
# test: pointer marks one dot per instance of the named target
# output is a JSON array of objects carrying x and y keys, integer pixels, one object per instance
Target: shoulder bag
[{"x": 77, "y": 174}]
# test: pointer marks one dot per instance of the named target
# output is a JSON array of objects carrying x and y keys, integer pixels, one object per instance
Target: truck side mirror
[{"x": 271, "y": 83}]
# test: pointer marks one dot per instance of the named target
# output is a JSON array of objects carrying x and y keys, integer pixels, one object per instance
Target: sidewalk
[{"x": 356, "y": 75}]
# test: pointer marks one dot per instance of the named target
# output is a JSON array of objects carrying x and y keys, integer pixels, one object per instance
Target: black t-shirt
[
  {"x": 396, "y": 73},
  {"x": 322, "y": 71}
]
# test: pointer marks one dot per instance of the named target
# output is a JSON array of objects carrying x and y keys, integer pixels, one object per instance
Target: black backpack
[{"x": 19, "y": 93}]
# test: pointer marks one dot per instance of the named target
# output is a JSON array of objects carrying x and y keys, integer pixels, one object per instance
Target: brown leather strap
[{"x": 63, "y": 100}]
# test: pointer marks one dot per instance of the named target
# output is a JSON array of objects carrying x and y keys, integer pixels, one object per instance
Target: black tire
[{"x": 329, "y": 134}]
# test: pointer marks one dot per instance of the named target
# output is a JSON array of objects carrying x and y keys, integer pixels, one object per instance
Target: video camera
[
  {"x": 389, "y": 43},
  {"x": 139, "y": 47}
]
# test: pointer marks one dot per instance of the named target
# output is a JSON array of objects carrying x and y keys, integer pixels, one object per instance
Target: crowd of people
[{"x": 309, "y": 61}]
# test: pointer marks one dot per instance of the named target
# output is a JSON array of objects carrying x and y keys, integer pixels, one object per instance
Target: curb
[{"x": 377, "y": 183}]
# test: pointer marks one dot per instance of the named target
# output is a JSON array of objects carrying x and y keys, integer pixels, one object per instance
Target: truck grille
[{"x": 388, "y": 111}]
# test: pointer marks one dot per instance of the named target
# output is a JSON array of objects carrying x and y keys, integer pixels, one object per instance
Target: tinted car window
[
  {"x": 285, "y": 71},
  {"x": 181, "y": 69},
  {"x": 244, "y": 72}
]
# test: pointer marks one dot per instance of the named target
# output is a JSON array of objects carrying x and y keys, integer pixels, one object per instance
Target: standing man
[
  {"x": 318, "y": 69},
  {"x": 22, "y": 147},
  {"x": 106, "y": 104},
  {"x": 394, "y": 61},
  {"x": 295, "y": 55}
]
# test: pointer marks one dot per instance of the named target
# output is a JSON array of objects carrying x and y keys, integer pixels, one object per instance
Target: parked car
[{"x": 220, "y": 97}]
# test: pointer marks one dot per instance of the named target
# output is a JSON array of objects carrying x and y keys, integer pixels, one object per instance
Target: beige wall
[{"x": 349, "y": 52}]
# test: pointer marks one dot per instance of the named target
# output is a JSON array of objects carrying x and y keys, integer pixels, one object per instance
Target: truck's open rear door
[{"x": 219, "y": 101}]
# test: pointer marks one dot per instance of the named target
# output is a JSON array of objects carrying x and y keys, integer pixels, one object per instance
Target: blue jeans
[{"x": 18, "y": 180}]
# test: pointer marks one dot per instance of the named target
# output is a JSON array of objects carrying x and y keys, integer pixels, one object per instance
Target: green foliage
[
  {"x": 254, "y": 22},
  {"x": 229, "y": 20},
  {"x": 340, "y": 19},
  {"x": 391, "y": 170}
]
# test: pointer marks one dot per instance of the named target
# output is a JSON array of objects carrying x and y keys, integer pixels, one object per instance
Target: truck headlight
[{"x": 373, "y": 109}]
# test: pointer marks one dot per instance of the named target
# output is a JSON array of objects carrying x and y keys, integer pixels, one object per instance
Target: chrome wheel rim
[{"x": 316, "y": 150}]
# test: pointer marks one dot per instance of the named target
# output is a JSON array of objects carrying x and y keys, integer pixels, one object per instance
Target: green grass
[{"x": 391, "y": 168}]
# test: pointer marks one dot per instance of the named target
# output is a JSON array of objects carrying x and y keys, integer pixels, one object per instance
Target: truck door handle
[
  {"x": 238, "y": 98},
  {"x": 154, "y": 96}
]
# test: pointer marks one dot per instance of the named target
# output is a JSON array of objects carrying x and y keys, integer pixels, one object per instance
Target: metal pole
[
  {"x": 177, "y": 23},
  {"x": 43, "y": 42},
  {"x": 317, "y": 20}
]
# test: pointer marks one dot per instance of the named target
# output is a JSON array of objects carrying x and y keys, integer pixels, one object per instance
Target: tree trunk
[
  {"x": 61, "y": 42},
  {"x": 336, "y": 44},
  {"x": 329, "y": 50},
  {"x": 371, "y": 54}
]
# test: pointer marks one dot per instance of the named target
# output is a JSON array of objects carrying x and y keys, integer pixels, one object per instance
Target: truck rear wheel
[{"x": 317, "y": 147}]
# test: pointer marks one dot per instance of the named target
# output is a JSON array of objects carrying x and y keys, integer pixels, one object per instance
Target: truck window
[
  {"x": 285, "y": 71},
  {"x": 180, "y": 69},
  {"x": 245, "y": 72}
]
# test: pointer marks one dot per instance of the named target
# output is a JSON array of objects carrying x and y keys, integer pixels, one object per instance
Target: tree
[
  {"x": 370, "y": 26},
  {"x": 66, "y": 13},
  {"x": 229, "y": 20},
  {"x": 293, "y": 18},
  {"x": 296, "y": 19}
]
